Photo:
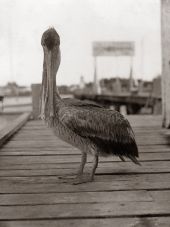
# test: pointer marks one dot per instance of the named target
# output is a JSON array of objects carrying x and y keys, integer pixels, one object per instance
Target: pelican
[{"x": 87, "y": 126}]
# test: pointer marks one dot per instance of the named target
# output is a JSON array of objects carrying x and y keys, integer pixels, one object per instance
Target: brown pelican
[{"x": 88, "y": 126}]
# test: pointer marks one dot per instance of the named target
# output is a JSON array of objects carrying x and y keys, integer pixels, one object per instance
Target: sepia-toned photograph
[{"x": 85, "y": 113}]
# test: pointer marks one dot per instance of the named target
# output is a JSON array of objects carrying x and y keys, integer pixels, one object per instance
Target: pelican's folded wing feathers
[{"x": 106, "y": 128}]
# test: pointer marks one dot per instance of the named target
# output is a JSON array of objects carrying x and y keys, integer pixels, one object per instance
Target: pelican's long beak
[
  {"x": 50, "y": 68},
  {"x": 51, "y": 83}
]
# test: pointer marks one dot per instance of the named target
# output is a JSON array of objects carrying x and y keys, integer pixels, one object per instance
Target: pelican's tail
[
  {"x": 134, "y": 159},
  {"x": 121, "y": 144},
  {"x": 125, "y": 149},
  {"x": 126, "y": 144}
]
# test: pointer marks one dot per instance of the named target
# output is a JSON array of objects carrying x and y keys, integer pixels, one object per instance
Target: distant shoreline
[{"x": 20, "y": 103}]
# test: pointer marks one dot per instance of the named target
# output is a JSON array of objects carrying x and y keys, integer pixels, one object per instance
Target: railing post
[
  {"x": 165, "y": 34},
  {"x": 36, "y": 89}
]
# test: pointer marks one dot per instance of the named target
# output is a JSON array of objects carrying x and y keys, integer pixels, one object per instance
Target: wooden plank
[
  {"x": 160, "y": 196},
  {"x": 49, "y": 184},
  {"x": 116, "y": 166},
  {"x": 145, "y": 120},
  {"x": 95, "y": 222},
  {"x": 83, "y": 197},
  {"x": 76, "y": 197},
  {"x": 5, "y": 160},
  {"x": 104, "y": 168},
  {"x": 111, "y": 209},
  {"x": 13, "y": 127}
]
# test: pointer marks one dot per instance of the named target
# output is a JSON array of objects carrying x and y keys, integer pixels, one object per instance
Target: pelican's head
[
  {"x": 51, "y": 46},
  {"x": 50, "y": 40}
]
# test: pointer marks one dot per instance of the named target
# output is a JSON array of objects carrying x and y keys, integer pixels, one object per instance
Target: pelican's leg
[
  {"x": 81, "y": 179},
  {"x": 95, "y": 164},
  {"x": 80, "y": 170},
  {"x": 82, "y": 164}
]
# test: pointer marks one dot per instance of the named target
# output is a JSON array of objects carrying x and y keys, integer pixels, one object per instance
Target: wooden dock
[{"x": 122, "y": 194}]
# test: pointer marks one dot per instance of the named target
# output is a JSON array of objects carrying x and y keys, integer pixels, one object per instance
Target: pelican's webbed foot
[
  {"x": 81, "y": 178},
  {"x": 76, "y": 180}
]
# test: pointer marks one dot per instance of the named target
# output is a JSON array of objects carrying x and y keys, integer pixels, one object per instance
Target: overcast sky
[{"x": 79, "y": 23}]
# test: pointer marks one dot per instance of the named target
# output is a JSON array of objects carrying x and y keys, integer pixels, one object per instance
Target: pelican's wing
[
  {"x": 90, "y": 120},
  {"x": 102, "y": 126}
]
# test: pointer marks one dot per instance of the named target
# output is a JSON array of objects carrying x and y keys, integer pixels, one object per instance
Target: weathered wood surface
[
  {"x": 13, "y": 127},
  {"x": 122, "y": 194},
  {"x": 106, "y": 222}
]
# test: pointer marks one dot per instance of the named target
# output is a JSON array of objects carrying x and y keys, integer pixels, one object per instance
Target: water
[
  {"x": 14, "y": 105},
  {"x": 17, "y": 100},
  {"x": 17, "y": 104}
]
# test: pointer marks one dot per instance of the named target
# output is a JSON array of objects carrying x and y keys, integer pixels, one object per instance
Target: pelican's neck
[{"x": 57, "y": 95}]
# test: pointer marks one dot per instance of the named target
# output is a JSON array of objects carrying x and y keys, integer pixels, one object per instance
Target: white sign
[{"x": 113, "y": 48}]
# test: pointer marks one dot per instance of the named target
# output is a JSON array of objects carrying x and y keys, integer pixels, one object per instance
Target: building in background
[{"x": 13, "y": 89}]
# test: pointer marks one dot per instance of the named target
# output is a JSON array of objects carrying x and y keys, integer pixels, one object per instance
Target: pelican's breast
[{"x": 69, "y": 136}]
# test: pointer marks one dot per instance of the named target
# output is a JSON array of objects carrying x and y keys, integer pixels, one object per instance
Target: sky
[{"x": 79, "y": 23}]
